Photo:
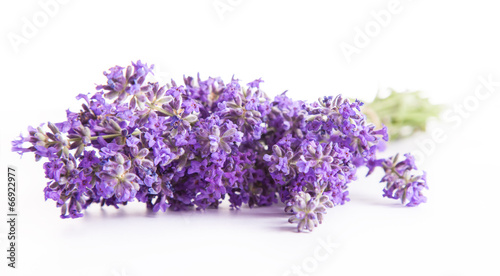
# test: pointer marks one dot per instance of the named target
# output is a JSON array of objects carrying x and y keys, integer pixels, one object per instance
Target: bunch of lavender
[{"x": 193, "y": 145}]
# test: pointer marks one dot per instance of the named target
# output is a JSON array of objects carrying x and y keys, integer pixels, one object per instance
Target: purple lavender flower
[
  {"x": 214, "y": 137},
  {"x": 346, "y": 125},
  {"x": 178, "y": 118},
  {"x": 116, "y": 174},
  {"x": 308, "y": 211},
  {"x": 403, "y": 180}
]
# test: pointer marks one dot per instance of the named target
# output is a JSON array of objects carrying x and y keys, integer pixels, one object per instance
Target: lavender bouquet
[{"x": 193, "y": 145}]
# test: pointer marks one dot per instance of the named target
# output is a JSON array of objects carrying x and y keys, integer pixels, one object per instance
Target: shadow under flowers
[{"x": 268, "y": 216}]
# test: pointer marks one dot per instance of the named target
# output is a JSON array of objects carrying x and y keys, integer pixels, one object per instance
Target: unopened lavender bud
[
  {"x": 119, "y": 159},
  {"x": 53, "y": 128},
  {"x": 129, "y": 71},
  {"x": 79, "y": 150},
  {"x": 64, "y": 209},
  {"x": 251, "y": 121},
  {"x": 115, "y": 125},
  {"x": 311, "y": 149},
  {"x": 237, "y": 100},
  {"x": 328, "y": 149},
  {"x": 277, "y": 150}
]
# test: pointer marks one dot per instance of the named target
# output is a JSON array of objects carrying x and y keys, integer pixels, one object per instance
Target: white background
[{"x": 439, "y": 47}]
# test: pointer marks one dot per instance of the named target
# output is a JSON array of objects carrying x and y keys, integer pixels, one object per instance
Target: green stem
[
  {"x": 135, "y": 133},
  {"x": 394, "y": 171},
  {"x": 159, "y": 109}
]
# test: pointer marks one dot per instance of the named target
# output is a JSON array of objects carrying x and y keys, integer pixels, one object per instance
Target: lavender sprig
[{"x": 403, "y": 180}]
